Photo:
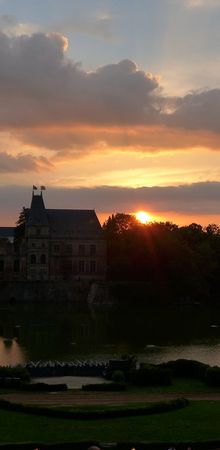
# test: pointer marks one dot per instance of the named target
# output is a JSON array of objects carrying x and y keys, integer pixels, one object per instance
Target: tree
[
  {"x": 118, "y": 223},
  {"x": 20, "y": 226}
]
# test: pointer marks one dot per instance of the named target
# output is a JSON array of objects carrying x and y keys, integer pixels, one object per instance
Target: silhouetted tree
[{"x": 176, "y": 263}]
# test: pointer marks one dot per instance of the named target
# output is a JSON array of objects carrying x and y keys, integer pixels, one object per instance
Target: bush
[
  {"x": 212, "y": 377},
  {"x": 97, "y": 414},
  {"x": 118, "y": 376},
  {"x": 109, "y": 387},
  {"x": 14, "y": 372},
  {"x": 151, "y": 376},
  {"x": 186, "y": 368},
  {"x": 36, "y": 387}
]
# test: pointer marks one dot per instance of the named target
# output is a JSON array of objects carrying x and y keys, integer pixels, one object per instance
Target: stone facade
[{"x": 55, "y": 244}]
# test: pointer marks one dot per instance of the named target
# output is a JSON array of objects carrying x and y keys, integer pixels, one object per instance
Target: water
[{"x": 66, "y": 332}]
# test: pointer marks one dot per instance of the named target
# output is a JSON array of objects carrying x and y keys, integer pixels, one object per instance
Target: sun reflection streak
[{"x": 11, "y": 353}]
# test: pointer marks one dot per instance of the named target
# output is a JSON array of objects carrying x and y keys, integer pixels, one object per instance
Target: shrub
[
  {"x": 35, "y": 387},
  {"x": 212, "y": 377},
  {"x": 186, "y": 368},
  {"x": 97, "y": 414},
  {"x": 14, "y": 372},
  {"x": 151, "y": 376},
  {"x": 118, "y": 376}
]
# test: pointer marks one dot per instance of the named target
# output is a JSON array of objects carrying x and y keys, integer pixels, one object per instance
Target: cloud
[
  {"x": 22, "y": 163},
  {"x": 50, "y": 102},
  {"x": 12, "y": 27},
  {"x": 196, "y": 111},
  {"x": 193, "y": 199},
  {"x": 97, "y": 25},
  {"x": 38, "y": 86},
  {"x": 202, "y": 3}
]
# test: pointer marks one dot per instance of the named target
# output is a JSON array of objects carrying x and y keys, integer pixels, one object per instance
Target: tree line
[{"x": 173, "y": 263}]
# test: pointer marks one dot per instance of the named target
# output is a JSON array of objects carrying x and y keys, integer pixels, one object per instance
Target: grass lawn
[
  {"x": 198, "y": 422},
  {"x": 179, "y": 385}
]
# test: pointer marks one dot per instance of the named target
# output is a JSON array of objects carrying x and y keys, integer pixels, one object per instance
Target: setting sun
[{"x": 143, "y": 217}]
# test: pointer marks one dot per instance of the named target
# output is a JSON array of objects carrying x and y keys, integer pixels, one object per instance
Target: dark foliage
[
  {"x": 44, "y": 387},
  {"x": 180, "y": 264},
  {"x": 212, "y": 377},
  {"x": 118, "y": 376},
  {"x": 151, "y": 376},
  {"x": 186, "y": 368},
  {"x": 18, "y": 372},
  {"x": 96, "y": 414}
]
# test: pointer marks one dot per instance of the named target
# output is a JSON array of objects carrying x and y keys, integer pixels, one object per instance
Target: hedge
[
  {"x": 36, "y": 387},
  {"x": 151, "y": 376},
  {"x": 14, "y": 372},
  {"x": 212, "y": 377},
  {"x": 96, "y": 414},
  {"x": 186, "y": 368}
]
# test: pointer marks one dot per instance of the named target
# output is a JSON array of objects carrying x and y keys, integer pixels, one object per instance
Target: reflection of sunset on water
[{"x": 11, "y": 353}]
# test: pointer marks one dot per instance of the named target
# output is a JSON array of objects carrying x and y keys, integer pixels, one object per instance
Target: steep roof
[
  {"x": 37, "y": 213},
  {"x": 74, "y": 223}
]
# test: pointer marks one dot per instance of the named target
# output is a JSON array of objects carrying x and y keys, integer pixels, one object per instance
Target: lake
[{"x": 67, "y": 332}]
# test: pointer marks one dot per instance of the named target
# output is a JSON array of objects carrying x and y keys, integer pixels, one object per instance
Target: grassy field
[
  {"x": 179, "y": 385},
  {"x": 198, "y": 422}
]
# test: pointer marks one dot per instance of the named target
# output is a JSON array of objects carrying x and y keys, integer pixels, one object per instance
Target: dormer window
[
  {"x": 43, "y": 259},
  {"x": 33, "y": 259},
  {"x": 81, "y": 249}
]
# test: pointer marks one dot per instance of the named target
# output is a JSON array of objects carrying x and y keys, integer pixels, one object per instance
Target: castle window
[
  {"x": 16, "y": 265},
  {"x": 92, "y": 250},
  {"x": 43, "y": 259},
  {"x": 92, "y": 266},
  {"x": 81, "y": 266},
  {"x": 2, "y": 266},
  {"x": 33, "y": 245},
  {"x": 33, "y": 259},
  {"x": 81, "y": 249},
  {"x": 69, "y": 248},
  {"x": 38, "y": 231},
  {"x": 56, "y": 248}
]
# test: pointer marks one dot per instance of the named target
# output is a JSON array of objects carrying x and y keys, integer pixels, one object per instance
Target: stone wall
[
  {"x": 43, "y": 291},
  {"x": 83, "y": 291}
]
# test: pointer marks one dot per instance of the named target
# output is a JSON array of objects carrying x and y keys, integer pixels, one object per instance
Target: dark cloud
[
  {"x": 197, "y": 198},
  {"x": 38, "y": 86},
  {"x": 46, "y": 100},
  {"x": 196, "y": 111},
  {"x": 22, "y": 163}
]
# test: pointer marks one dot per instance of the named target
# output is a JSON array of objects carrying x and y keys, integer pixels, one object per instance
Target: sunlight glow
[{"x": 143, "y": 217}]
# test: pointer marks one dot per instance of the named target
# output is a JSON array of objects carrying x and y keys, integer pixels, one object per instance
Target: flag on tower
[
  {"x": 34, "y": 188},
  {"x": 43, "y": 188}
]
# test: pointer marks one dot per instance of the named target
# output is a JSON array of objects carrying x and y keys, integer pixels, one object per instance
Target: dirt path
[{"x": 101, "y": 398}]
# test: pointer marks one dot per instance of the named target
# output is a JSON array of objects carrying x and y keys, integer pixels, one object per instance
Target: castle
[{"x": 53, "y": 244}]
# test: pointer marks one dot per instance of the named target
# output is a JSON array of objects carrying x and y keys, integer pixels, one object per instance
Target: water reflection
[
  {"x": 67, "y": 332},
  {"x": 11, "y": 353},
  {"x": 207, "y": 353}
]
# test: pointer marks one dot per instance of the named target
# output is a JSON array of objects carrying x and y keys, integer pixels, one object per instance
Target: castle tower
[{"x": 37, "y": 239}]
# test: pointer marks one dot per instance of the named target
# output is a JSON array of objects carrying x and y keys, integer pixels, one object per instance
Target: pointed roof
[
  {"x": 63, "y": 223},
  {"x": 74, "y": 223},
  {"x": 37, "y": 213}
]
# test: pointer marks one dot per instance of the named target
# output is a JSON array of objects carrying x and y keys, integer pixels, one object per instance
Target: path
[{"x": 101, "y": 398}]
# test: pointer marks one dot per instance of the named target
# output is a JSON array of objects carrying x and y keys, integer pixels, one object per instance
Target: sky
[{"x": 113, "y": 105}]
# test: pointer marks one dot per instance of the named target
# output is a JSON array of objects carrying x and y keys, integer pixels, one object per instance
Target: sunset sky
[{"x": 113, "y": 105}]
